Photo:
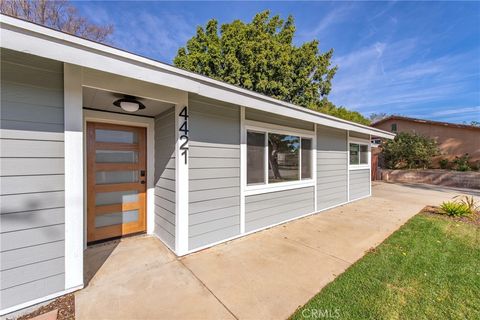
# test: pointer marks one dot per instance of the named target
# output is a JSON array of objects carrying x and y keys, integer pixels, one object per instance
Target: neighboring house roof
[
  {"x": 28, "y": 37},
  {"x": 422, "y": 121}
]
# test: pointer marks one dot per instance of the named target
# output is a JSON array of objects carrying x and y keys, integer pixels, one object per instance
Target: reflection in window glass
[
  {"x": 255, "y": 157},
  {"x": 115, "y": 136},
  {"x": 354, "y": 153},
  {"x": 306, "y": 158},
  {"x": 283, "y": 157},
  {"x": 363, "y": 154}
]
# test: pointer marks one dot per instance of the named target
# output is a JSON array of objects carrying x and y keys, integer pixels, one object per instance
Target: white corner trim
[
  {"x": 181, "y": 181},
  {"x": 370, "y": 166},
  {"x": 243, "y": 168},
  {"x": 348, "y": 165},
  {"x": 74, "y": 179},
  {"x": 314, "y": 165}
]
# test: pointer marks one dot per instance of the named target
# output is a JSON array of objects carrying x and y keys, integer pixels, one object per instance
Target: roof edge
[
  {"x": 122, "y": 55},
  {"x": 425, "y": 121}
]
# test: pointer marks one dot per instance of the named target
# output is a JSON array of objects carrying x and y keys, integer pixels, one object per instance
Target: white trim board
[
  {"x": 28, "y": 37},
  {"x": 74, "y": 176}
]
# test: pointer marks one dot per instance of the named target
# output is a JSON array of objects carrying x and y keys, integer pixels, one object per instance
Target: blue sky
[{"x": 418, "y": 59}]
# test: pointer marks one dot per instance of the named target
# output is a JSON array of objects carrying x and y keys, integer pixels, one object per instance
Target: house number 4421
[{"x": 184, "y": 134}]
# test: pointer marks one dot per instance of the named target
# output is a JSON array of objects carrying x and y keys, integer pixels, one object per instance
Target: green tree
[
  {"x": 409, "y": 151},
  {"x": 260, "y": 56}
]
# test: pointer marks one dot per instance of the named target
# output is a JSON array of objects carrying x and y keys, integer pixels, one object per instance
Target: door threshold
[{"x": 116, "y": 239}]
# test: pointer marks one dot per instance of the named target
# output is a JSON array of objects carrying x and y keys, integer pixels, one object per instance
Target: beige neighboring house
[{"x": 453, "y": 139}]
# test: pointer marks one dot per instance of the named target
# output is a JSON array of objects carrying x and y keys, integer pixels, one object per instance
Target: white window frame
[
  {"x": 362, "y": 166},
  {"x": 266, "y": 187}
]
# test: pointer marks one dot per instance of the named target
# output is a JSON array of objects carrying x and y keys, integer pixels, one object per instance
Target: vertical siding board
[
  {"x": 165, "y": 177},
  {"x": 332, "y": 167},
  {"x": 32, "y": 214},
  {"x": 214, "y": 179}
]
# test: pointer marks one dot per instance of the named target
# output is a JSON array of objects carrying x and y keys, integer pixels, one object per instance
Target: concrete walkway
[{"x": 266, "y": 275}]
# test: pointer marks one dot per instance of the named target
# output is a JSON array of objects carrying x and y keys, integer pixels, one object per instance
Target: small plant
[
  {"x": 469, "y": 202},
  {"x": 461, "y": 163},
  {"x": 443, "y": 163},
  {"x": 454, "y": 209}
]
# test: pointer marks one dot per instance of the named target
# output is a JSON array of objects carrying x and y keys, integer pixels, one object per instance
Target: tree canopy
[
  {"x": 260, "y": 56},
  {"x": 56, "y": 14},
  {"x": 409, "y": 151}
]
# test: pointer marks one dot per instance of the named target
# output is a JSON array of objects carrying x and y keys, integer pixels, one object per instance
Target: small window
[
  {"x": 306, "y": 158},
  {"x": 358, "y": 154},
  {"x": 394, "y": 127},
  {"x": 354, "y": 153},
  {"x": 363, "y": 154},
  {"x": 255, "y": 157}
]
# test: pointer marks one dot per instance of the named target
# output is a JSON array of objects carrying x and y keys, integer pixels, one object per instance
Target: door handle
[
  {"x": 142, "y": 182},
  {"x": 142, "y": 173}
]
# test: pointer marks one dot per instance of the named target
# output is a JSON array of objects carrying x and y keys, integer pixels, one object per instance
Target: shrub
[
  {"x": 408, "y": 151},
  {"x": 461, "y": 163},
  {"x": 469, "y": 202},
  {"x": 455, "y": 209},
  {"x": 443, "y": 163}
]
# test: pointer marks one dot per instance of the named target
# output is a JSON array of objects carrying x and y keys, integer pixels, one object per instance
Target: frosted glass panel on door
[
  {"x": 107, "y": 177},
  {"x": 116, "y": 136},
  {"x": 110, "y": 219},
  {"x": 116, "y": 156},
  {"x": 116, "y": 197}
]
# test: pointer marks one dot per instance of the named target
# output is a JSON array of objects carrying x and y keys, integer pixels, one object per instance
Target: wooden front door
[{"x": 116, "y": 180}]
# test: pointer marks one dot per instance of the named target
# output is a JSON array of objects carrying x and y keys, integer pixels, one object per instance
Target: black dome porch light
[{"x": 129, "y": 104}]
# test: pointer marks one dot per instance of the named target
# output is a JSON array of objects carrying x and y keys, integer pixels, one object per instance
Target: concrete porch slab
[{"x": 265, "y": 275}]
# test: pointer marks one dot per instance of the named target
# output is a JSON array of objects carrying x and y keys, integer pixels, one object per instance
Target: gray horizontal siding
[
  {"x": 214, "y": 171},
  {"x": 32, "y": 214},
  {"x": 262, "y": 116},
  {"x": 266, "y": 209},
  {"x": 32, "y": 290},
  {"x": 359, "y": 183},
  {"x": 332, "y": 166},
  {"x": 165, "y": 177}
]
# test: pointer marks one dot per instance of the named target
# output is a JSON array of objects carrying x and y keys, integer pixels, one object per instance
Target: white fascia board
[{"x": 31, "y": 38}]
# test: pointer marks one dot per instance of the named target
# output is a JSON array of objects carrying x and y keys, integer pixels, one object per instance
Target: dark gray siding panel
[
  {"x": 266, "y": 209},
  {"x": 32, "y": 214},
  {"x": 332, "y": 167},
  {"x": 359, "y": 183},
  {"x": 214, "y": 171},
  {"x": 165, "y": 177},
  {"x": 262, "y": 116}
]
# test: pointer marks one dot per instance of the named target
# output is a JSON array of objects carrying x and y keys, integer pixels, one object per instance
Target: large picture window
[
  {"x": 358, "y": 154},
  {"x": 288, "y": 158}
]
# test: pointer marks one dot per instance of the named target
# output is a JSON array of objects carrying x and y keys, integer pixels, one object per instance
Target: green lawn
[{"x": 428, "y": 269}]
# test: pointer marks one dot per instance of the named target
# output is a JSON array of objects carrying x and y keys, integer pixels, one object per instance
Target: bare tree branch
[{"x": 56, "y": 14}]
